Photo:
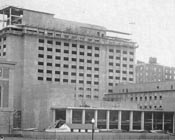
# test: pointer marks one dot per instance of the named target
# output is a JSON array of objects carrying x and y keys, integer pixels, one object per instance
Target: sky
[{"x": 151, "y": 22}]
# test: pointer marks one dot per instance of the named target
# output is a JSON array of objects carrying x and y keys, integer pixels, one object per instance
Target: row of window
[
  {"x": 67, "y": 73},
  {"x": 67, "y": 66},
  {"x": 66, "y": 80},
  {"x": 119, "y": 51},
  {"x": 3, "y": 39},
  {"x": 88, "y": 96},
  {"x": 146, "y": 98},
  {"x": 124, "y": 72},
  {"x": 151, "y": 107},
  {"x": 118, "y": 78},
  {"x": 119, "y": 58},
  {"x": 117, "y": 64},
  {"x": 67, "y": 44}
]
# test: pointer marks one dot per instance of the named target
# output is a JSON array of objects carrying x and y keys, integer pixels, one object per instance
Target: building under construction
[{"x": 55, "y": 69}]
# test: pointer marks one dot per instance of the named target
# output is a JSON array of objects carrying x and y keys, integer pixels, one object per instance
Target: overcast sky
[{"x": 152, "y": 22}]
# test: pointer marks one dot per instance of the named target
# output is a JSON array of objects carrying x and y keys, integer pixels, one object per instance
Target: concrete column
[
  {"x": 107, "y": 119},
  {"x": 163, "y": 121},
  {"x": 174, "y": 122},
  {"x": 131, "y": 121},
  {"x": 83, "y": 116},
  {"x": 119, "y": 119},
  {"x": 152, "y": 120},
  {"x": 142, "y": 120},
  {"x": 53, "y": 115},
  {"x": 68, "y": 115},
  {"x": 96, "y": 118}
]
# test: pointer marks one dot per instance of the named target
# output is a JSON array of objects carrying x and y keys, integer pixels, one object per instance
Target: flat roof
[{"x": 15, "y": 7}]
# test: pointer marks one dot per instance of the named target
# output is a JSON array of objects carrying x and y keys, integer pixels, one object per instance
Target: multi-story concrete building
[
  {"x": 155, "y": 100},
  {"x": 153, "y": 72},
  {"x": 46, "y": 50}
]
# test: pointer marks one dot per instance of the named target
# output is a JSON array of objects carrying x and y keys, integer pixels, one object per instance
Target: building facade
[
  {"x": 46, "y": 51},
  {"x": 156, "y": 97},
  {"x": 153, "y": 72}
]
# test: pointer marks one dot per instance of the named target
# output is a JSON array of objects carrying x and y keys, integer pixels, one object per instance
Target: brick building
[{"x": 153, "y": 72}]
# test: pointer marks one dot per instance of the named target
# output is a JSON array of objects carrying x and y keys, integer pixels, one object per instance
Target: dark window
[
  {"x": 57, "y": 80},
  {"x": 89, "y": 68},
  {"x": 74, "y": 59},
  {"x": 131, "y": 72},
  {"x": 117, "y": 71},
  {"x": 57, "y": 57},
  {"x": 66, "y": 58},
  {"x": 41, "y": 55},
  {"x": 49, "y": 56},
  {"x": 66, "y": 44},
  {"x": 58, "y": 43},
  {"x": 81, "y": 67},
  {"x": 96, "y": 62},
  {"x": 89, "y": 47},
  {"x": 89, "y": 75},
  {"x": 49, "y": 71},
  {"x": 131, "y": 53},
  {"x": 155, "y": 97},
  {"x": 118, "y": 51},
  {"x": 57, "y": 65},
  {"x": 74, "y": 66},
  {"x": 160, "y": 97},
  {"x": 81, "y": 81},
  {"x": 66, "y": 51},
  {"x": 49, "y": 49},
  {"x": 117, "y": 58},
  {"x": 57, "y": 72},
  {"x": 58, "y": 50},
  {"x": 73, "y": 81},
  {"x": 73, "y": 74},
  {"x": 131, "y": 66},
  {"x": 110, "y": 84},
  {"x": 124, "y": 65},
  {"x": 49, "y": 64},
  {"x": 65, "y": 73},
  {"x": 96, "y": 83},
  {"x": 96, "y": 69},
  {"x": 40, "y": 78},
  {"x": 89, "y": 61},
  {"x": 124, "y": 52},
  {"x": 111, "y": 57},
  {"x": 110, "y": 64},
  {"x": 130, "y": 79},
  {"x": 88, "y": 82},
  {"x": 74, "y": 52},
  {"x": 41, "y": 40},
  {"x": 66, "y": 66},
  {"x": 81, "y": 60},
  {"x": 49, "y": 42},
  {"x": 81, "y": 53},
  {"x": 96, "y": 48},
  {"x": 110, "y": 77},
  {"x": 123, "y": 78},
  {"x": 117, "y": 78},
  {"x": 117, "y": 64},
  {"x": 124, "y": 58},
  {"x": 110, "y": 90},
  {"x": 40, "y": 48},
  {"x": 111, "y": 50},
  {"x": 110, "y": 70},
  {"x": 40, "y": 63},
  {"x": 82, "y": 46},
  {"x": 89, "y": 54},
  {"x": 81, "y": 74},
  {"x": 48, "y": 79},
  {"x": 74, "y": 45},
  {"x": 131, "y": 59},
  {"x": 40, "y": 70},
  {"x": 96, "y": 55},
  {"x": 124, "y": 72},
  {"x": 65, "y": 80}
]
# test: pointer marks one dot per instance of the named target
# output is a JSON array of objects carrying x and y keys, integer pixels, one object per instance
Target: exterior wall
[
  {"x": 153, "y": 72},
  {"x": 38, "y": 100}
]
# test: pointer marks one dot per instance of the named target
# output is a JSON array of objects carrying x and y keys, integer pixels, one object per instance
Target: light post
[{"x": 93, "y": 121}]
